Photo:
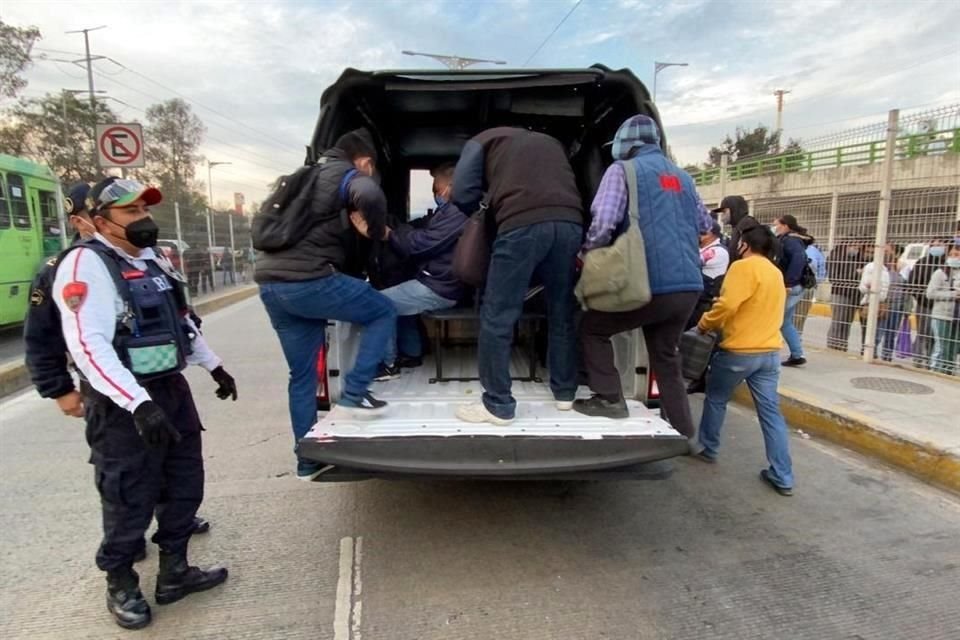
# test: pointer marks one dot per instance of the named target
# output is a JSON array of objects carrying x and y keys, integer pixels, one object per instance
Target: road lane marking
[{"x": 348, "y": 608}]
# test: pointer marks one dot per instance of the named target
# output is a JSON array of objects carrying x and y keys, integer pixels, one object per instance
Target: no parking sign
[{"x": 120, "y": 145}]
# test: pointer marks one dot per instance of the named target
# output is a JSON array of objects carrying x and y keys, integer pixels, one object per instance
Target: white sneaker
[
  {"x": 564, "y": 405},
  {"x": 478, "y": 414}
]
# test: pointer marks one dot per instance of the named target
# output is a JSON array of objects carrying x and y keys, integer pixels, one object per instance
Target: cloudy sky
[{"x": 254, "y": 71}]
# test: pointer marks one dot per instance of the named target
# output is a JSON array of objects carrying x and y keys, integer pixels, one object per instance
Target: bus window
[
  {"x": 50, "y": 221},
  {"x": 19, "y": 210},
  {"x": 4, "y": 209}
]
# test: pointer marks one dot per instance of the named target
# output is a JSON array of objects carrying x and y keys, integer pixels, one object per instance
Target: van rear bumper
[{"x": 479, "y": 456}]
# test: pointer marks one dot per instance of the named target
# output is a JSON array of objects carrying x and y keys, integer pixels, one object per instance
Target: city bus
[{"x": 32, "y": 228}]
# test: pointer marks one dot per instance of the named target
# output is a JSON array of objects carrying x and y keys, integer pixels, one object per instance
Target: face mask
[
  {"x": 852, "y": 251},
  {"x": 439, "y": 200},
  {"x": 953, "y": 263},
  {"x": 725, "y": 218},
  {"x": 142, "y": 233},
  {"x": 937, "y": 252}
]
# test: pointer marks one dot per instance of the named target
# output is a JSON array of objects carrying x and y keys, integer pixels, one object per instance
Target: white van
[{"x": 421, "y": 119}]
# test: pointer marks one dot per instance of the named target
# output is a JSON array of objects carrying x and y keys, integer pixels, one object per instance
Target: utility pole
[
  {"x": 211, "y": 232},
  {"x": 779, "y": 93},
  {"x": 93, "y": 101},
  {"x": 66, "y": 130},
  {"x": 456, "y": 63}
]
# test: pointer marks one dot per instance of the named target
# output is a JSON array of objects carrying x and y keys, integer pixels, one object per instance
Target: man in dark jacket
[
  {"x": 668, "y": 217},
  {"x": 532, "y": 193},
  {"x": 844, "y": 265},
  {"x": 430, "y": 244},
  {"x": 792, "y": 259},
  {"x": 735, "y": 211},
  {"x": 303, "y": 285}
]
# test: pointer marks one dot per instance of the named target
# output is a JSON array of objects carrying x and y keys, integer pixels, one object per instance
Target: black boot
[
  {"x": 200, "y": 526},
  {"x": 177, "y": 579},
  {"x": 125, "y": 601}
]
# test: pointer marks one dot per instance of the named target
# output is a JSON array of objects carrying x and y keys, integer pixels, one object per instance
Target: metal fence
[
  {"x": 924, "y": 134},
  {"x": 916, "y": 296}
]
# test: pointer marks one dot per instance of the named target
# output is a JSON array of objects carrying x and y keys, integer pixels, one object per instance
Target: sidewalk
[
  {"x": 13, "y": 372},
  {"x": 905, "y": 418}
]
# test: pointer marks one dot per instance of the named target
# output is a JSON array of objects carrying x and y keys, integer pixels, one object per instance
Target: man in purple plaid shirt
[{"x": 671, "y": 218}]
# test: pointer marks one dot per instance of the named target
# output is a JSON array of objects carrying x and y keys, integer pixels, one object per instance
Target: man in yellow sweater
[{"x": 748, "y": 315}]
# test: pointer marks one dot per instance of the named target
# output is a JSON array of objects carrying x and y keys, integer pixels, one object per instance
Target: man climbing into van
[
  {"x": 532, "y": 193},
  {"x": 669, "y": 219},
  {"x": 430, "y": 244},
  {"x": 303, "y": 284}
]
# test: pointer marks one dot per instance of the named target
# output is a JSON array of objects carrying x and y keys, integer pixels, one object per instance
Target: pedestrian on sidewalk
[
  {"x": 895, "y": 307},
  {"x": 669, "y": 220},
  {"x": 818, "y": 262},
  {"x": 944, "y": 292},
  {"x": 917, "y": 283},
  {"x": 792, "y": 260},
  {"x": 843, "y": 267},
  {"x": 749, "y": 315}
]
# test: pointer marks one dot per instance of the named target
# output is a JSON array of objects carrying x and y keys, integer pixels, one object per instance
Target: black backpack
[
  {"x": 808, "y": 279},
  {"x": 287, "y": 214}
]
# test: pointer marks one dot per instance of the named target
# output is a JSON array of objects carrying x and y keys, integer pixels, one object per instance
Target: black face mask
[{"x": 142, "y": 233}]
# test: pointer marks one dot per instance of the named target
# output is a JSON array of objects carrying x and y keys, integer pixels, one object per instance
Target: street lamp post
[
  {"x": 660, "y": 66},
  {"x": 211, "y": 234}
]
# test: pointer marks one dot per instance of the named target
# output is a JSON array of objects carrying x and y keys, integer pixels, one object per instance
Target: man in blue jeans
[
  {"x": 748, "y": 315},
  {"x": 430, "y": 244},
  {"x": 532, "y": 193},
  {"x": 793, "y": 259},
  {"x": 302, "y": 286}
]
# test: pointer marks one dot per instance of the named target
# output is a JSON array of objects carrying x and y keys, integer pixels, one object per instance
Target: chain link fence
[{"x": 917, "y": 314}]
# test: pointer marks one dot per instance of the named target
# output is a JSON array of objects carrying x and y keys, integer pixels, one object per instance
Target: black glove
[
  {"x": 226, "y": 385},
  {"x": 153, "y": 425}
]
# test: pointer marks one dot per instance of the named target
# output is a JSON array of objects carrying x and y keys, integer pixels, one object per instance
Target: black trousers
[
  {"x": 662, "y": 320},
  {"x": 136, "y": 482}
]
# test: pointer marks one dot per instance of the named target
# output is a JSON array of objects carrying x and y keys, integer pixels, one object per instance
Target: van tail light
[
  {"x": 323, "y": 388},
  {"x": 653, "y": 389}
]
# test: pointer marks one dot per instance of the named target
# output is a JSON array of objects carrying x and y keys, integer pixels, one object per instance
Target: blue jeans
[
  {"x": 411, "y": 298},
  {"x": 546, "y": 250},
  {"x": 761, "y": 372},
  {"x": 299, "y": 312},
  {"x": 888, "y": 331},
  {"x": 788, "y": 329}
]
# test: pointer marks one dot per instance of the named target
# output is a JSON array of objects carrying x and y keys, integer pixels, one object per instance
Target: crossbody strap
[{"x": 632, "y": 191}]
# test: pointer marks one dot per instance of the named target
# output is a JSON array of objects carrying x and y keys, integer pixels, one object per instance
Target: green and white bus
[{"x": 32, "y": 227}]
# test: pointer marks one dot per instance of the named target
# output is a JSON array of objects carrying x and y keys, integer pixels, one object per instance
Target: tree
[
  {"x": 747, "y": 143},
  {"x": 173, "y": 136},
  {"x": 56, "y": 130},
  {"x": 16, "y": 45}
]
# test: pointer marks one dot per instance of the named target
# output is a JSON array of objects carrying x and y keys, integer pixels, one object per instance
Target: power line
[{"x": 555, "y": 29}]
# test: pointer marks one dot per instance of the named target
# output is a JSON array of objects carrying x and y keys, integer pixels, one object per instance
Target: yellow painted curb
[
  {"x": 15, "y": 377},
  {"x": 861, "y": 434}
]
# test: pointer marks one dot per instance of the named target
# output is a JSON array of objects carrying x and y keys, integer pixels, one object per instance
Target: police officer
[
  {"x": 46, "y": 356},
  {"x": 125, "y": 323}
]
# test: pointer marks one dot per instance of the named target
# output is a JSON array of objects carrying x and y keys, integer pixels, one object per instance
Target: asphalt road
[{"x": 860, "y": 552}]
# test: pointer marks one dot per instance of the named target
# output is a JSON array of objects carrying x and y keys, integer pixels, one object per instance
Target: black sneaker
[
  {"x": 602, "y": 408},
  {"x": 784, "y": 491},
  {"x": 408, "y": 362},
  {"x": 364, "y": 407},
  {"x": 794, "y": 362},
  {"x": 385, "y": 373}
]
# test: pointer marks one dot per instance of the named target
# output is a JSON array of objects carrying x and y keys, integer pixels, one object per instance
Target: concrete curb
[
  {"x": 15, "y": 377},
  {"x": 860, "y": 433}
]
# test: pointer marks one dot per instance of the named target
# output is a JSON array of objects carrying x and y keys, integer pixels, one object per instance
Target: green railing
[{"x": 910, "y": 146}]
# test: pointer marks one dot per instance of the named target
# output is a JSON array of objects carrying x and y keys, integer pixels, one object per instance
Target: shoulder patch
[
  {"x": 37, "y": 297},
  {"x": 74, "y": 295}
]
